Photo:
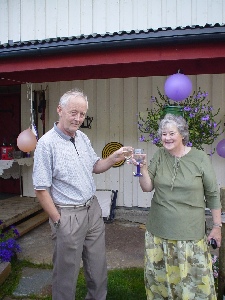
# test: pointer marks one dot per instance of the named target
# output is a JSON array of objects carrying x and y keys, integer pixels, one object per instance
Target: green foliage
[{"x": 197, "y": 111}]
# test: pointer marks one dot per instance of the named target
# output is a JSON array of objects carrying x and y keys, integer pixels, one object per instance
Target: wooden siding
[
  {"x": 23, "y": 20},
  {"x": 114, "y": 104}
]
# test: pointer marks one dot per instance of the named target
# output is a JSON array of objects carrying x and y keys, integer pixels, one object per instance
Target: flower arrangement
[
  {"x": 8, "y": 245},
  {"x": 199, "y": 114}
]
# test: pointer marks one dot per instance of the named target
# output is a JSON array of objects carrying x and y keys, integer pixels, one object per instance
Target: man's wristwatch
[{"x": 56, "y": 224}]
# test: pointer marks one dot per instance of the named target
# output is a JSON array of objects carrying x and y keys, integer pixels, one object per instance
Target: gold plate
[{"x": 109, "y": 149}]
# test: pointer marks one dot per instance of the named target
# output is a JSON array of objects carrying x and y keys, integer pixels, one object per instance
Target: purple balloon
[
  {"x": 178, "y": 87},
  {"x": 220, "y": 148}
]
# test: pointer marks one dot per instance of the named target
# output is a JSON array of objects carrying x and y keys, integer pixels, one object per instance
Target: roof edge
[{"x": 125, "y": 39}]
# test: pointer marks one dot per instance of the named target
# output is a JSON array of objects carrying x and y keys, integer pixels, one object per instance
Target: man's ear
[{"x": 59, "y": 110}]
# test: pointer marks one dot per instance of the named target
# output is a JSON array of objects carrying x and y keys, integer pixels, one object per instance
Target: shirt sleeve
[
  {"x": 42, "y": 169},
  {"x": 211, "y": 190},
  {"x": 152, "y": 168}
]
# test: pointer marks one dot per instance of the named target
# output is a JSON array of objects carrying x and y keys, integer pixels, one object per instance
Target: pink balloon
[
  {"x": 26, "y": 140},
  {"x": 178, "y": 87},
  {"x": 220, "y": 148}
]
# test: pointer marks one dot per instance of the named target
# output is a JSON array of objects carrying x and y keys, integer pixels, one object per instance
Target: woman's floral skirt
[{"x": 180, "y": 270}]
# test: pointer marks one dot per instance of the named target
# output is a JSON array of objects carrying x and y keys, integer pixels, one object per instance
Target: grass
[{"x": 123, "y": 284}]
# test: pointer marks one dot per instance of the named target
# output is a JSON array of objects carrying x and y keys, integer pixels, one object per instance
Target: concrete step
[
  {"x": 16, "y": 209},
  {"x": 31, "y": 223}
]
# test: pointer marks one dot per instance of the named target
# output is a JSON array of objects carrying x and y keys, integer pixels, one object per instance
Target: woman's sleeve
[
  {"x": 211, "y": 190},
  {"x": 152, "y": 168}
]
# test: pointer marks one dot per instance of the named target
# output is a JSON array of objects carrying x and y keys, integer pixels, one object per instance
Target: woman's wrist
[{"x": 219, "y": 225}]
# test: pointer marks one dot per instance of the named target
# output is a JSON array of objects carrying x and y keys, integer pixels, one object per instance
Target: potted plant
[{"x": 196, "y": 109}]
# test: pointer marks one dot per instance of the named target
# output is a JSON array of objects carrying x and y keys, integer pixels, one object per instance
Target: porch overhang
[{"x": 113, "y": 58}]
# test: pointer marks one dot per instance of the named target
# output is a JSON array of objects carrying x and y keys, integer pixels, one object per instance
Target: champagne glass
[
  {"x": 127, "y": 152},
  {"x": 139, "y": 157}
]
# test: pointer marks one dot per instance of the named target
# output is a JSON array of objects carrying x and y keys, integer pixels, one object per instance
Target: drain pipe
[{"x": 221, "y": 279}]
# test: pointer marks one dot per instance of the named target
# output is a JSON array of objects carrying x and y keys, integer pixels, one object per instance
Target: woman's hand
[
  {"x": 144, "y": 180},
  {"x": 143, "y": 163},
  {"x": 216, "y": 235},
  {"x": 216, "y": 230}
]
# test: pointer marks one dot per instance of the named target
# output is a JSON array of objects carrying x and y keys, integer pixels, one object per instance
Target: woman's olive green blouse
[{"x": 183, "y": 188}]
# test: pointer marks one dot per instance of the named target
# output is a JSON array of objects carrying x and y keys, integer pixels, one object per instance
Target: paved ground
[{"x": 124, "y": 245}]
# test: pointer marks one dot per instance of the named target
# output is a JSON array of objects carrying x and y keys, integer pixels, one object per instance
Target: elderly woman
[{"x": 177, "y": 257}]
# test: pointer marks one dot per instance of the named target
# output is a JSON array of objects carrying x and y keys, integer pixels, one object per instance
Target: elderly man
[{"x": 64, "y": 161}]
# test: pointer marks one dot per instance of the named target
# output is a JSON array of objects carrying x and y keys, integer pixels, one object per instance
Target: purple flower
[
  {"x": 8, "y": 245},
  {"x": 142, "y": 138},
  {"x": 196, "y": 109},
  {"x": 198, "y": 95},
  {"x": 16, "y": 232},
  {"x": 206, "y": 118},
  {"x": 11, "y": 243},
  {"x": 5, "y": 255},
  {"x": 156, "y": 140},
  {"x": 8, "y": 249},
  {"x": 187, "y": 108}
]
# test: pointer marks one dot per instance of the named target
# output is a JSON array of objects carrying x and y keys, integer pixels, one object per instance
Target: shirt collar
[{"x": 63, "y": 135}]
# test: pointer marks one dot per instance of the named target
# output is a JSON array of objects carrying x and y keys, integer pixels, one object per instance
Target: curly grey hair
[
  {"x": 72, "y": 93},
  {"x": 179, "y": 122}
]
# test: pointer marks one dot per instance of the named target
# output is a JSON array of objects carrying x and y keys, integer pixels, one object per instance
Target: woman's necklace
[
  {"x": 176, "y": 165},
  {"x": 183, "y": 152}
]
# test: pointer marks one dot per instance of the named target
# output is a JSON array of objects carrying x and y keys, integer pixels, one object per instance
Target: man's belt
[{"x": 87, "y": 204}]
